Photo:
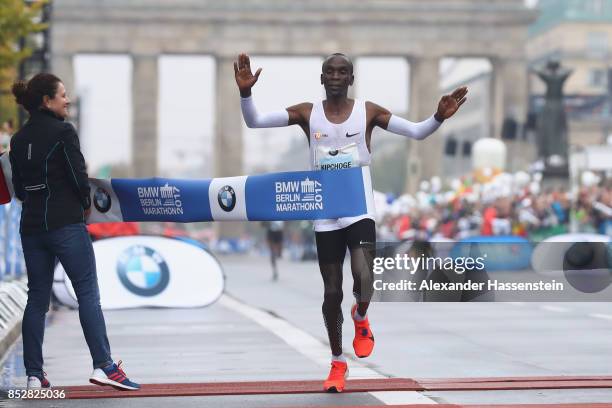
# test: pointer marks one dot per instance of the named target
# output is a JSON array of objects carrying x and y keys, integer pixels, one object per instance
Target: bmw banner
[
  {"x": 149, "y": 272},
  {"x": 302, "y": 195}
]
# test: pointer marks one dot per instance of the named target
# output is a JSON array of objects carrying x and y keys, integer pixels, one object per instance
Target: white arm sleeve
[
  {"x": 255, "y": 119},
  {"x": 413, "y": 130}
]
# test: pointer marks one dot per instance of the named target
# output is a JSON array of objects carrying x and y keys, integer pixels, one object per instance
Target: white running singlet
[{"x": 335, "y": 146}]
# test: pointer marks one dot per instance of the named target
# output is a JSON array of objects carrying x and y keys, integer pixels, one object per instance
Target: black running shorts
[{"x": 332, "y": 245}]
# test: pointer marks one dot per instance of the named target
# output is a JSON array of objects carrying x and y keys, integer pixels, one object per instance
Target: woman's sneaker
[
  {"x": 114, "y": 376},
  {"x": 38, "y": 382}
]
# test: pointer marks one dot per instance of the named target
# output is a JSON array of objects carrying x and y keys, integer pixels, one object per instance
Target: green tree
[{"x": 18, "y": 19}]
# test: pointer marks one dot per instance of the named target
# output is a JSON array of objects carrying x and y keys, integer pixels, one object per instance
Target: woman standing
[{"x": 49, "y": 176}]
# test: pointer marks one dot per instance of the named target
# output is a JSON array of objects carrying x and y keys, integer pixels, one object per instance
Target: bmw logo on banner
[
  {"x": 102, "y": 200},
  {"x": 227, "y": 198},
  {"x": 143, "y": 271}
]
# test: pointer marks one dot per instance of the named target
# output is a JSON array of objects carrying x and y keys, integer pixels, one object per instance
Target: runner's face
[{"x": 337, "y": 76}]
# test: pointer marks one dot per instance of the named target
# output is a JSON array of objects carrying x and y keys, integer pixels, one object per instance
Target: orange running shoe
[
  {"x": 337, "y": 376},
  {"x": 363, "y": 343}
]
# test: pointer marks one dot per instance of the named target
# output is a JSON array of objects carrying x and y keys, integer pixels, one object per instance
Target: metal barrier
[
  {"x": 13, "y": 289},
  {"x": 13, "y": 299}
]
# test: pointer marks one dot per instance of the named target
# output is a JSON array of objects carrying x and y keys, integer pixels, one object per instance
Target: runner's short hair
[{"x": 337, "y": 54}]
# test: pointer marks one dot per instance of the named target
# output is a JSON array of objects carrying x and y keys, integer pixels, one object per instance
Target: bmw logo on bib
[
  {"x": 227, "y": 198},
  {"x": 102, "y": 200},
  {"x": 143, "y": 271}
]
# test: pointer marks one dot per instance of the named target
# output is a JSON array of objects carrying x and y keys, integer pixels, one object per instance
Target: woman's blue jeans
[{"x": 71, "y": 245}]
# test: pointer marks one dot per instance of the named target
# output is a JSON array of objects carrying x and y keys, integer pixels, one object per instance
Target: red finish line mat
[
  {"x": 514, "y": 383},
  {"x": 239, "y": 388},
  {"x": 602, "y": 405},
  {"x": 385, "y": 384}
]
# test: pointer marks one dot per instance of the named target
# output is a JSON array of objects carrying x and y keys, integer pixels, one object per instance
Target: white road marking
[
  {"x": 318, "y": 352},
  {"x": 402, "y": 398},
  {"x": 552, "y": 308},
  {"x": 600, "y": 316}
]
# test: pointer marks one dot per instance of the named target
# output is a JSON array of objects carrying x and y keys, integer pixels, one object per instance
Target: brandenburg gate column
[
  {"x": 510, "y": 101},
  {"x": 509, "y": 87},
  {"x": 228, "y": 133},
  {"x": 424, "y": 156},
  {"x": 144, "y": 115},
  {"x": 62, "y": 65}
]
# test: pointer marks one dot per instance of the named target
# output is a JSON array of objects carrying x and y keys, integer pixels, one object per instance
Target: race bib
[{"x": 343, "y": 158}]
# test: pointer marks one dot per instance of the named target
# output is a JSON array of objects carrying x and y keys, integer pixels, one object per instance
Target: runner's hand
[
  {"x": 449, "y": 104},
  {"x": 244, "y": 76}
]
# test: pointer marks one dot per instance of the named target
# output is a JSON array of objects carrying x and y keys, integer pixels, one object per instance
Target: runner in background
[{"x": 274, "y": 238}]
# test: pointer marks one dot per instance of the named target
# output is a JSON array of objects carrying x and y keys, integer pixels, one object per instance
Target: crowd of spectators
[{"x": 525, "y": 212}]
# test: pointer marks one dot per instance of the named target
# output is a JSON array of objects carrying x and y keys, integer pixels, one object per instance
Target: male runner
[
  {"x": 339, "y": 130},
  {"x": 274, "y": 238}
]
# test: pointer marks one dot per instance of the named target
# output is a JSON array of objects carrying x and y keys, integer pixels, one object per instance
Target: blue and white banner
[
  {"x": 142, "y": 271},
  {"x": 302, "y": 195}
]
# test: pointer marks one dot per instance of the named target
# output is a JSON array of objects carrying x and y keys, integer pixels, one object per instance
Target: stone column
[
  {"x": 144, "y": 115},
  {"x": 509, "y": 87},
  {"x": 228, "y": 147},
  {"x": 425, "y": 156},
  {"x": 62, "y": 65},
  {"x": 228, "y": 121}
]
